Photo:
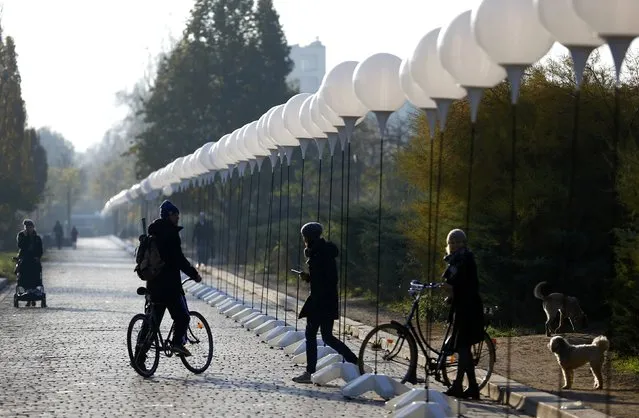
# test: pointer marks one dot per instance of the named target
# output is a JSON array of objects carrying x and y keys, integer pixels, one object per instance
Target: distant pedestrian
[
  {"x": 74, "y": 237},
  {"x": 202, "y": 233},
  {"x": 58, "y": 233}
]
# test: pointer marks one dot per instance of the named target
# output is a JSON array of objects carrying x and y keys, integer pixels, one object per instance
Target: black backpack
[{"x": 148, "y": 262}]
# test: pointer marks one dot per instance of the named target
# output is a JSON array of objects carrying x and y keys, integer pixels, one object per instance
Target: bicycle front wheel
[
  {"x": 484, "y": 357},
  {"x": 142, "y": 345},
  {"x": 199, "y": 341},
  {"x": 389, "y": 349}
]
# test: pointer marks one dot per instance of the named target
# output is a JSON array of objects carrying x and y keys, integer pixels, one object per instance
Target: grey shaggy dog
[{"x": 571, "y": 357}]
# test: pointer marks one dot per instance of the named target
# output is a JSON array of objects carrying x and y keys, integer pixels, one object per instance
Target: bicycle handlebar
[{"x": 416, "y": 286}]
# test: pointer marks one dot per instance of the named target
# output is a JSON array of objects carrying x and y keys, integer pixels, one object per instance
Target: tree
[
  {"x": 568, "y": 246},
  {"x": 273, "y": 63},
  {"x": 60, "y": 152},
  {"x": 111, "y": 169},
  {"x": 33, "y": 173},
  {"x": 12, "y": 119},
  {"x": 213, "y": 81},
  {"x": 21, "y": 157}
]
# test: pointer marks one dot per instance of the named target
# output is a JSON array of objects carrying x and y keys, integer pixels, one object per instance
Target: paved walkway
[{"x": 70, "y": 359}]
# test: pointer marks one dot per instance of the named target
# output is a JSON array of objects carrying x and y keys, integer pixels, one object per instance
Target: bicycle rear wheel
[
  {"x": 484, "y": 357},
  {"x": 142, "y": 345},
  {"x": 199, "y": 341},
  {"x": 391, "y": 350}
]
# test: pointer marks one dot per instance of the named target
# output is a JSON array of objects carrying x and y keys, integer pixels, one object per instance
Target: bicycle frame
[
  {"x": 155, "y": 327},
  {"x": 442, "y": 354},
  {"x": 419, "y": 338}
]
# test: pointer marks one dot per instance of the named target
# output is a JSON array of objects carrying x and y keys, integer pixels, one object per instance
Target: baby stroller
[{"x": 29, "y": 286}]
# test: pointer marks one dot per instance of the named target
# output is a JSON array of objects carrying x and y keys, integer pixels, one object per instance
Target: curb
[
  {"x": 534, "y": 402},
  {"x": 499, "y": 389}
]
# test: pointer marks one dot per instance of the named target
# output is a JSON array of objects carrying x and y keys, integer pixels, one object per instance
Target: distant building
[{"x": 309, "y": 66}]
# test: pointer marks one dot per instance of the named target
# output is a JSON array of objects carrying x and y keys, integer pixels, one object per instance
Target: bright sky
[{"x": 74, "y": 55}]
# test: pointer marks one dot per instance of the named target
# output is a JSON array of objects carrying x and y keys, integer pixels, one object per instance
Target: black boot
[
  {"x": 472, "y": 392},
  {"x": 455, "y": 390}
]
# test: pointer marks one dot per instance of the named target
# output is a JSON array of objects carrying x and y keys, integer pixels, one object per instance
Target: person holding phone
[{"x": 321, "y": 307}]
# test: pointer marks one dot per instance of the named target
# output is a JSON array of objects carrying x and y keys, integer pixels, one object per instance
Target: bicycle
[
  {"x": 440, "y": 363},
  {"x": 147, "y": 342}
]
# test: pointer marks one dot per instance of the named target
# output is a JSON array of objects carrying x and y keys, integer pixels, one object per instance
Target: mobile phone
[{"x": 296, "y": 271}]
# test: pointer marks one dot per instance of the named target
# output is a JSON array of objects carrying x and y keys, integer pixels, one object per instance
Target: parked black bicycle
[
  {"x": 145, "y": 341},
  {"x": 392, "y": 348}
]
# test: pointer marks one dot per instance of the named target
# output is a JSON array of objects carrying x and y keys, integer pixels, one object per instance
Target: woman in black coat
[
  {"x": 30, "y": 251},
  {"x": 321, "y": 307},
  {"x": 467, "y": 313}
]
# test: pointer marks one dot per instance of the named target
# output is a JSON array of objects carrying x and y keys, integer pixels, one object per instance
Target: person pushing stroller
[{"x": 29, "y": 253}]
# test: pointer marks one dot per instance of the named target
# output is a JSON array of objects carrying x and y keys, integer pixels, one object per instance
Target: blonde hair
[{"x": 455, "y": 236}]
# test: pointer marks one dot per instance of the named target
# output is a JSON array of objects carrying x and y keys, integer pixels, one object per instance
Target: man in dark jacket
[
  {"x": 321, "y": 307},
  {"x": 166, "y": 289},
  {"x": 29, "y": 253}
]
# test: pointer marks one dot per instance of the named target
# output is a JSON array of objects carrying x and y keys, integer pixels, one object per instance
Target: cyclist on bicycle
[
  {"x": 467, "y": 311},
  {"x": 166, "y": 290},
  {"x": 321, "y": 307}
]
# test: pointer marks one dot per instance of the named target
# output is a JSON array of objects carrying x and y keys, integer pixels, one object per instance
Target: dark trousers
[
  {"x": 179, "y": 313},
  {"x": 326, "y": 328},
  {"x": 202, "y": 253},
  {"x": 465, "y": 365}
]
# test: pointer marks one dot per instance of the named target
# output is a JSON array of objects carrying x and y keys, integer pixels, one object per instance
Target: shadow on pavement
[{"x": 260, "y": 386}]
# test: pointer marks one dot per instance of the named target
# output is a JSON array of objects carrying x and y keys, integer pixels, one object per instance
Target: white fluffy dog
[{"x": 571, "y": 357}]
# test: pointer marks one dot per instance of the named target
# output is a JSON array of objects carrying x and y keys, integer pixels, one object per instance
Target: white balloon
[
  {"x": 615, "y": 20},
  {"x": 561, "y": 20},
  {"x": 189, "y": 168},
  {"x": 411, "y": 90},
  {"x": 145, "y": 187},
  {"x": 278, "y": 131},
  {"x": 239, "y": 144},
  {"x": 230, "y": 146},
  {"x": 218, "y": 156},
  {"x": 154, "y": 179},
  {"x": 291, "y": 116},
  {"x": 177, "y": 169},
  {"x": 463, "y": 58},
  {"x": 323, "y": 109},
  {"x": 306, "y": 118},
  {"x": 203, "y": 155},
  {"x": 320, "y": 120},
  {"x": 376, "y": 83},
  {"x": 338, "y": 92},
  {"x": 251, "y": 141},
  {"x": 195, "y": 168},
  {"x": 263, "y": 134},
  {"x": 429, "y": 73},
  {"x": 510, "y": 32},
  {"x": 611, "y": 18}
]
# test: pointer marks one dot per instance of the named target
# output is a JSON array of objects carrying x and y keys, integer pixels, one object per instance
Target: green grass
[
  {"x": 496, "y": 332},
  {"x": 7, "y": 265},
  {"x": 626, "y": 364}
]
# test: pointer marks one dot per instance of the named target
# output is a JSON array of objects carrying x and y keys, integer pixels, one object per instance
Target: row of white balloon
[{"x": 478, "y": 49}]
